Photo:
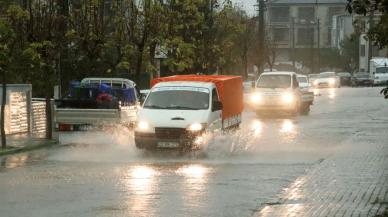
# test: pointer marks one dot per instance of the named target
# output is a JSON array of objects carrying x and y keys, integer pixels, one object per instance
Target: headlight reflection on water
[
  {"x": 257, "y": 127},
  {"x": 288, "y": 130},
  {"x": 287, "y": 126},
  {"x": 141, "y": 183},
  {"x": 142, "y": 172},
  {"x": 193, "y": 171},
  {"x": 332, "y": 93}
]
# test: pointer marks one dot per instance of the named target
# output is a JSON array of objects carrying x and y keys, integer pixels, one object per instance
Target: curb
[{"x": 29, "y": 148}]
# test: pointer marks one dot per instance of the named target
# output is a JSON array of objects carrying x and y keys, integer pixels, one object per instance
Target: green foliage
[
  {"x": 48, "y": 41},
  {"x": 378, "y": 32}
]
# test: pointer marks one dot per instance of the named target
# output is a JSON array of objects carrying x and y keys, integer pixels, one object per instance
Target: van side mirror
[{"x": 217, "y": 106}]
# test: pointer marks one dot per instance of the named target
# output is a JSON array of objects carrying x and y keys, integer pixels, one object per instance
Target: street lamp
[{"x": 261, "y": 35}]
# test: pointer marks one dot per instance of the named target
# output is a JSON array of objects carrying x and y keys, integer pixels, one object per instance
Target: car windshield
[
  {"x": 302, "y": 79},
  {"x": 344, "y": 74},
  {"x": 274, "y": 81},
  {"x": 178, "y": 99},
  {"x": 382, "y": 70},
  {"x": 361, "y": 75},
  {"x": 327, "y": 75}
]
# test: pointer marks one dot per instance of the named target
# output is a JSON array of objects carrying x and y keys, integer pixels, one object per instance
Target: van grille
[{"x": 170, "y": 133}]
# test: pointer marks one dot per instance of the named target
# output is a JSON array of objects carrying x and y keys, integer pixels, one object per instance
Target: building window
[
  {"x": 305, "y": 36},
  {"x": 362, "y": 50},
  {"x": 280, "y": 34},
  {"x": 334, "y": 11},
  {"x": 279, "y": 14},
  {"x": 306, "y": 14},
  {"x": 329, "y": 36}
]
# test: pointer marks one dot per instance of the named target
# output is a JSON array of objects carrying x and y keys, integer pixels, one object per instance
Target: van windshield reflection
[{"x": 178, "y": 100}]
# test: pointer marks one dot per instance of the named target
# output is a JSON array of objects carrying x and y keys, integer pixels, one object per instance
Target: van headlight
[
  {"x": 256, "y": 98},
  {"x": 195, "y": 127},
  {"x": 332, "y": 81},
  {"x": 142, "y": 126},
  {"x": 315, "y": 83},
  {"x": 288, "y": 98}
]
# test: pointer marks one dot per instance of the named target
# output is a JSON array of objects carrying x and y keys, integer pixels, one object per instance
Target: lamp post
[
  {"x": 318, "y": 36},
  {"x": 261, "y": 50}
]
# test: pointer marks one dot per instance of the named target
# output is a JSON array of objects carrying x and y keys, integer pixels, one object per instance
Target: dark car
[
  {"x": 345, "y": 78},
  {"x": 362, "y": 79}
]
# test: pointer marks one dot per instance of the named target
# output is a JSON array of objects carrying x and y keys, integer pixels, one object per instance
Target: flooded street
[{"x": 103, "y": 174}]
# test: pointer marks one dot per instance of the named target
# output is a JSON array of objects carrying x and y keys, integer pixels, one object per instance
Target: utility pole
[
  {"x": 261, "y": 37},
  {"x": 318, "y": 45},
  {"x": 293, "y": 40},
  {"x": 370, "y": 48}
]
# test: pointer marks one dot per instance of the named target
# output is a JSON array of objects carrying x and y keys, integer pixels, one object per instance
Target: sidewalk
[
  {"x": 25, "y": 142},
  {"x": 352, "y": 182}
]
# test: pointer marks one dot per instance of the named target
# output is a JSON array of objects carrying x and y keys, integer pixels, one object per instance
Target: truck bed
[
  {"x": 74, "y": 116},
  {"x": 86, "y": 116}
]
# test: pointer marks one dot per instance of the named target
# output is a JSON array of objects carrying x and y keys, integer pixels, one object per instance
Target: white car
[
  {"x": 304, "y": 84},
  {"x": 327, "y": 79},
  {"x": 278, "y": 92}
]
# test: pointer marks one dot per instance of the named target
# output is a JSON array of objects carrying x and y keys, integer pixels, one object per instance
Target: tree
[
  {"x": 377, "y": 32},
  {"x": 5, "y": 35},
  {"x": 350, "y": 52},
  {"x": 8, "y": 43}
]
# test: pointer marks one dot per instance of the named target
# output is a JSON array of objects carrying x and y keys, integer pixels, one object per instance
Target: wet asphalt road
[{"x": 102, "y": 173}]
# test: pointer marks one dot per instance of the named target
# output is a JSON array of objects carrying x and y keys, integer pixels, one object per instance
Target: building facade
[
  {"x": 342, "y": 28},
  {"x": 302, "y": 27}
]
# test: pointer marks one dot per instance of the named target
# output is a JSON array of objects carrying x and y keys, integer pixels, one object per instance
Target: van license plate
[{"x": 168, "y": 144}]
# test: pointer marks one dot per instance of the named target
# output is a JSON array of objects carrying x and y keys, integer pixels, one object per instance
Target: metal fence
[
  {"x": 24, "y": 114},
  {"x": 38, "y": 116}
]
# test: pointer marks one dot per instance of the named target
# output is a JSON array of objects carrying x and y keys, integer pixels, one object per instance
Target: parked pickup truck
[
  {"x": 179, "y": 109},
  {"x": 280, "y": 92},
  {"x": 97, "y": 101}
]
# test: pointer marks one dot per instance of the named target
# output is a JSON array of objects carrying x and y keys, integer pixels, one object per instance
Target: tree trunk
[
  {"x": 49, "y": 126},
  {"x": 139, "y": 62},
  {"x": 2, "y": 117}
]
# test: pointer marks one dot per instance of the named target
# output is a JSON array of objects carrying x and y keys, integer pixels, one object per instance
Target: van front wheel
[{"x": 304, "y": 109}]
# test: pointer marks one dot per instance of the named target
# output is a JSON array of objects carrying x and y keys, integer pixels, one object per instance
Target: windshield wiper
[
  {"x": 154, "y": 107},
  {"x": 182, "y": 107}
]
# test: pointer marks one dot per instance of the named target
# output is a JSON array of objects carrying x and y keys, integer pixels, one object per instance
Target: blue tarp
[{"x": 91, "y": 91}]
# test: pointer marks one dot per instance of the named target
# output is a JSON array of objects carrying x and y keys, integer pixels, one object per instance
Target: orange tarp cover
[{"x": 230, "y": 90}]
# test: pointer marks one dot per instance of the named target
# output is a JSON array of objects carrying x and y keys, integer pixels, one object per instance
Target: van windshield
[
  {"x": 178, "y": 99},
  {"x": 327, "y": 75},
  {"x": 302, "y": 79},
  {"x": 274, "y": 81}
]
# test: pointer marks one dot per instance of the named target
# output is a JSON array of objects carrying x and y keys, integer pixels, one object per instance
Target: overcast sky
[{"x": 248, "y": 5}]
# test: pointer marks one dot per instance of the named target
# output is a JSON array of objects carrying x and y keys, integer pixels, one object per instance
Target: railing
[{"x": 38, "y": 115}]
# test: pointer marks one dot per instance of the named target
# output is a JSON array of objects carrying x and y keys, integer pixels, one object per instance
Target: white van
[
  {"x": 379, "y": 70},
  {"x": 175, "y": 114}
]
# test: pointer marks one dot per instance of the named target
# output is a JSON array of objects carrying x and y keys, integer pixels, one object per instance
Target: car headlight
[
  {"x": 331, "y": 81},
  {"x": 288, "y": 98},
  {"x": 195, "y": 127},
  {"x": 315, "y": 83},
  {"x": 256, "y": 98},
  {"x": 142, "y": 126}
]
